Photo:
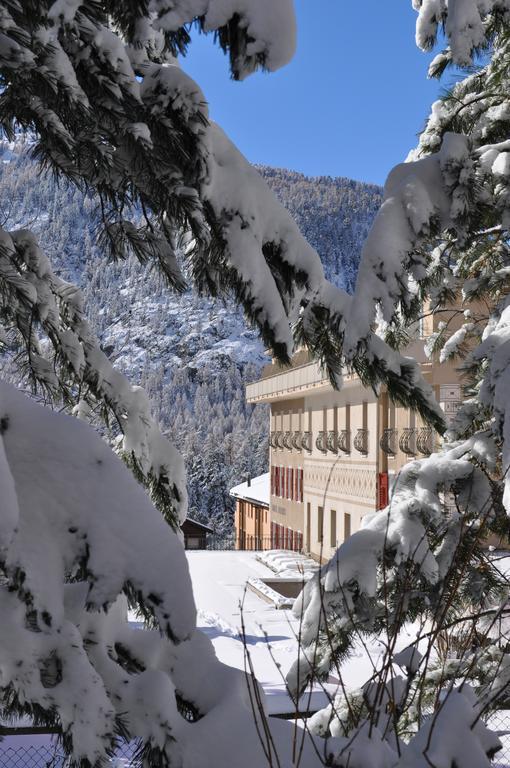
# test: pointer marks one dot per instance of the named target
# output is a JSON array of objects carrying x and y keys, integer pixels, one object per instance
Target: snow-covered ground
[{"x": 219, "y": 584}]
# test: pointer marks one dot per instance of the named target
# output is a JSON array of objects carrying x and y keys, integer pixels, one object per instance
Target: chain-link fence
[
  {"x": 500, "y": 723},
  {"x": 18, "y": 752}
]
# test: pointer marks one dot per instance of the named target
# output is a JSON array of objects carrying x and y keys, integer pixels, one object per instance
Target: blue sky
[{"x": 349, "y": 104}]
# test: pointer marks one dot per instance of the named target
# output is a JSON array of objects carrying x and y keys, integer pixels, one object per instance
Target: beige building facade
[{"x": 334, "y": 455}]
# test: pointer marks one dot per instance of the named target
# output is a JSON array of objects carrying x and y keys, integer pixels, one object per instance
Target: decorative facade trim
[{"x": 350, "y": 481}]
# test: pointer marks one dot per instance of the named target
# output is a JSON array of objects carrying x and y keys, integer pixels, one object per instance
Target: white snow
[
  {"x": 219, "y": 586},
  {"x": 256, "y": 489},
  {"x": 288, "y": 564}
]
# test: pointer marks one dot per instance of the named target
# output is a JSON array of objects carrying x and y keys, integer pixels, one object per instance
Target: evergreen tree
[{"x": 441, "y": 233}]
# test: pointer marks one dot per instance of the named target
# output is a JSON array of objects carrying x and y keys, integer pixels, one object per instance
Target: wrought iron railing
[
  {"x": 287, "y": 440},
  {"x": 360, "y": 441},
  {"x": 279, "y": 440},
  {"x": 425, "y": 441},
  {"x": 272, "y": 439},
  {"x": 320, "y": 442},
  {"x": 332, "y": 441},
  {"x": 407, "y": 442},
  {"x": 388, "y": 441},
  {"x": 297, "y": 440},
  {"x": 306, "y": 441},
  {"x": 344, "y": 440}
]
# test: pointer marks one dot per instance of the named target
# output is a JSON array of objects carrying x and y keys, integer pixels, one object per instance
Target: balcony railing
[
  {"x": 306, "y": 441},
  {"x": 287, "y": 440},
  {"x": 344, "y": 441},
  {"x": 272, "y": 440},
  {"x": 279, "y": 440},
  {"x": 320, "y": 442},
  {"x": 388, "y": 441},
  {"x": 360, "y": 441},
  {"x": 425, "y": 441},
  {"x": 332, "y": 441},
  {"x": 407, "y": 441},
  {"x": 297, "y": 440}
]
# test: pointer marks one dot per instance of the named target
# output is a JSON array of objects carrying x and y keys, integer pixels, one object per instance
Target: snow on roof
[
  {"x": 200, "y": 525},
  {"x": 256, "y": 490}
]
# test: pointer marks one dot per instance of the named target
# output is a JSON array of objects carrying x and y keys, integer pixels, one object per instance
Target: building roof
[
  {"x": 255, "y": 490},
  {"x": 199, "y": 525}
]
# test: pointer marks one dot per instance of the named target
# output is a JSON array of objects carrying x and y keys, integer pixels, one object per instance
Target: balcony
[
  {"x": 279, "y": 382},
  {"x": 343, "y": 441},
  {"x": 297, "y": 440},
  {"x": 320, "y": 442},
  {"x": 407, "y": 442},
  {"x": 332, "y": 441},
  {"x": 272, "y": 440},
  {"x": 360, "y": 441},
  {"x": 287, "y": 440},
  {"x": 425, "y": 441},
  {"x": 306, "y": 442},
  {"x": 388, "y": 442}
]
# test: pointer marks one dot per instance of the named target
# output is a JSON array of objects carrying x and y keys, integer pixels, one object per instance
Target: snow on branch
[
  {"x": 77, "y": 536},
  {"x": 413, "y": 535},
  {"x": 30, "y": 295},
  {"x": 466, "y": 24},
  {"x": 132, "y": 125}
]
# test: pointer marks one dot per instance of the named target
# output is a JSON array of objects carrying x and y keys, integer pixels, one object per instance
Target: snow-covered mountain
[{"x": 193, "y": 354}]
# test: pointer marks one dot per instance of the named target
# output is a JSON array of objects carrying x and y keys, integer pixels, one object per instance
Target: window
[
  {"x": 332, "y": 539},
  {"x": 291, "y": 483},
  {"x": 298, "y": 485},
  {"x": 320, "y": 524},
  {"x": 347, "y": 525}
]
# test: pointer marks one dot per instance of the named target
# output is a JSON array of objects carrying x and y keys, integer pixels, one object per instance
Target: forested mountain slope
[{"x": 194, "y": 355}]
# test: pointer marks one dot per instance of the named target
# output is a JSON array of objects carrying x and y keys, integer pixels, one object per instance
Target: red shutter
[{"x": 382, "y": 487}]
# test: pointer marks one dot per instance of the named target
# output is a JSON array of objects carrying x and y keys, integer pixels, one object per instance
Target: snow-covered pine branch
[
  {"x": 69, "y": 362},
  {"x": 78, "y": 536},
  {"x": 445, "y": 220},
  {"x": 115, "y": 111}
]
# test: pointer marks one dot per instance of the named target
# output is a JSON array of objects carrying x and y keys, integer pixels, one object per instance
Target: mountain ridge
[{"x": 193, "y": 354}]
